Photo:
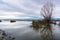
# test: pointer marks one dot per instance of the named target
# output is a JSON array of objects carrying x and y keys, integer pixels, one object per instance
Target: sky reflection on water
[{"x": 22, "y": 31}]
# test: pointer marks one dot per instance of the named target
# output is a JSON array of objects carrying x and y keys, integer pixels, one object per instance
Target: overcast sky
[{"x": 25, "y": 8}]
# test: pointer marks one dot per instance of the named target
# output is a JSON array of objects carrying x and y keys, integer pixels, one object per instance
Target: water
[{"x": 22, "y": 31}]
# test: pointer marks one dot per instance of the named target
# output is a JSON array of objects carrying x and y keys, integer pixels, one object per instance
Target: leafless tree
[{"x": 47, "y": 10}]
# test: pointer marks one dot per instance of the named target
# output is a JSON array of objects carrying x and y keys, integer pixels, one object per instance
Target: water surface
[{"x": 22, "y": 31}]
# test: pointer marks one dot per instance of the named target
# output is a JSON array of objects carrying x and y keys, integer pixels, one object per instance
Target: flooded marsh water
[{"x": 22, "y": 30}]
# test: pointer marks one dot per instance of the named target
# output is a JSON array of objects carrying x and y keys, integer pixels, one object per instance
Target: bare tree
[{"x": 47, "y": 10}]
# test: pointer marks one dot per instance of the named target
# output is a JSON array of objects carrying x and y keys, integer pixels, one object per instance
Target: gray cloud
[{"x": 27, "y": 8}]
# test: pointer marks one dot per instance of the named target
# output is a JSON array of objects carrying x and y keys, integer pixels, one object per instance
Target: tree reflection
[{"x": 45, "y": 31}]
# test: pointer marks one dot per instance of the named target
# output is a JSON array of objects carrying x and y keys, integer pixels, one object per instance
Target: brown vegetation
[
  {"x": 5, "y": 36},
  {"x": 46, "y": 12},
  {"x": 12, "y": 21}
]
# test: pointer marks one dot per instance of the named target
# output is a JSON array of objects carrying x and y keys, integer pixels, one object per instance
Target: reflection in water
[
  {"x": 45, "y": 31},
  {"x": 22, "y": 31}
]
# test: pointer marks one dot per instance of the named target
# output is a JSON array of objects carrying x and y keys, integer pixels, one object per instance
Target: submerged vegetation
[
  {"x": 5, "y": 36},
  {"x": 45, "y": 31},
  {"x": 0, "y": 20},
  {"x": 12, "y": 21},
  {"x": 44, "y": 26},
  {"x": 46, "y": 12}
]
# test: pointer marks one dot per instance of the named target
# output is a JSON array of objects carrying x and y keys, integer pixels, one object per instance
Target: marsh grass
[
  {"x": 5, "y": 36},
  {"x": 45, "y": 28}
]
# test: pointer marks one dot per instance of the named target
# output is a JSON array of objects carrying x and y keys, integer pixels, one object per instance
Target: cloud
[
  {"x": 56, "y": 13},
  {"x": 21, "y": 8}
]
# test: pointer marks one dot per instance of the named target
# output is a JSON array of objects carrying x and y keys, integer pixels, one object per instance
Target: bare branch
[{"x": 47, "y": 10}]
